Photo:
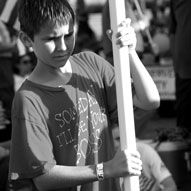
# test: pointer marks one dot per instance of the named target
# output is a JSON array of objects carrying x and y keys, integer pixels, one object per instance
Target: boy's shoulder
[
  {"x": 90, "y": 59},
  {"x": 90, "y": 56},
  {"x": 85, "y": 54}
]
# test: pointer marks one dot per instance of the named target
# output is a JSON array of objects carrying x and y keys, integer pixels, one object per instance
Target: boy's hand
[
  {"x": 126, "y": 35},
  {"x": 124, "y": 164}
]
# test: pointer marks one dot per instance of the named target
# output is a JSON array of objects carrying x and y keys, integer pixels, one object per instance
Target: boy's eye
[
  {"x": 118, "y": 138},
  {"x": 58, "y": 37},
  {"x": 69, "y": 35},
  {"x": 54, "y": 38},
  {"x": 51, "y": 38}
]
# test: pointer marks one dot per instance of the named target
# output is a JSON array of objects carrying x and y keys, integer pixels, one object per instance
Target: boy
[{"x": 63, "y": 113}]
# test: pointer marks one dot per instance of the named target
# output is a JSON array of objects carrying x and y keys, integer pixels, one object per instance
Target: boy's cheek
[{"x": 117, "y": 145}]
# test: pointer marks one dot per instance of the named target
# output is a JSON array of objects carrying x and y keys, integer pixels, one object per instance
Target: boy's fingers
[
  {"x": 126, "y": 22},
  {"x": 109, "y": 33}
]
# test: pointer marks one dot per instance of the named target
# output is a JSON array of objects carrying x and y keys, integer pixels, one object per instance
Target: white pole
[{"x": 123, "y": 88}]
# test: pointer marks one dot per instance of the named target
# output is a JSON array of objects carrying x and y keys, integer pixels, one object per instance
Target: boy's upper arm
[{"x": 31, "y": 138}]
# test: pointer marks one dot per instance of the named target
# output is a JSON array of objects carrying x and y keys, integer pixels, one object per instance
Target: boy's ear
[{"x": 25, "y": 39}]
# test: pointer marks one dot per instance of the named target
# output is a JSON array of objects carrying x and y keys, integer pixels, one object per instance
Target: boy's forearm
[
  {"x": 146, "y": 91},
  {"x": 60, "y": 177}
]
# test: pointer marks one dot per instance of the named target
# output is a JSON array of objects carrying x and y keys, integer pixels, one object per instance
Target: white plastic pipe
[{"x": 123, "y": 88}]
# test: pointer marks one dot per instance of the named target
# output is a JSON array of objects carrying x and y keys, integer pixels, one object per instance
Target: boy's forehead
[{"x": 53, "y": 26}]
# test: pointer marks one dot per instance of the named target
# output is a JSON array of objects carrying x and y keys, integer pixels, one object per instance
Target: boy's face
[
  {"x": 54, "y": 44},
  {"x": 116, "y": 137},
  {"x": 25, "y": 65}
]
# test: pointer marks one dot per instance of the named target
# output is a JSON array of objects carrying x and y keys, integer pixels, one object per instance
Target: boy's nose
[{"x": 61, "y": 45}]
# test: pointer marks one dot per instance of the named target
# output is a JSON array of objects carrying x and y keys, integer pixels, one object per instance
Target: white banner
[{"x": 164, "y": 79}]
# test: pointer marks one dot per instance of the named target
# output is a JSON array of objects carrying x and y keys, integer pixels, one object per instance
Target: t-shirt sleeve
[
  {"x": 31, "y": 150},
  {"x": 153, "y": 163}
]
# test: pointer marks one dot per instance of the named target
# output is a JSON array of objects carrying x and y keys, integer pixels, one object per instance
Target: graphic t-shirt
[{"x": 65, "y": 125}]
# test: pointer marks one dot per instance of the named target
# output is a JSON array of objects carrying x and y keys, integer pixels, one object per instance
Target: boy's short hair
[{"x": 33, "y": 14}]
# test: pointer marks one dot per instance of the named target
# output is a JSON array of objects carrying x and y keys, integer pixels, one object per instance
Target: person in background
[
  {"x": 85, "y": 36},
  {"x": 4, "y": 168},
  {"x": 23, "y": 67},
  {"x": 4, "y": 154},
  {"x": 8, "y": 49},
  {"x": 155, "y": 176},
  {"x": 63, "y": 112},
  {"x": 180, "y": 30}
]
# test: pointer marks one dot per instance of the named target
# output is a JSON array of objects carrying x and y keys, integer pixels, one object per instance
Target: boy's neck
[
  {"x": 67, "y": 68},
  {"x": 52, "y": 77}
]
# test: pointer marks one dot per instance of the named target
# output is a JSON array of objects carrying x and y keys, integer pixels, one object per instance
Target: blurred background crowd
[{"x": 151, "y": 21}]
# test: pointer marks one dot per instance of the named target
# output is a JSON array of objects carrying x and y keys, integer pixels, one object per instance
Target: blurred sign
[{"x": 164, "y": 79}]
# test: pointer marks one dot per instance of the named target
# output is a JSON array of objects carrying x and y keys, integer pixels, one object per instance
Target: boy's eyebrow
[
  {"x": 56, "y": 35},
  {"x": 71, "y": 32}
]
